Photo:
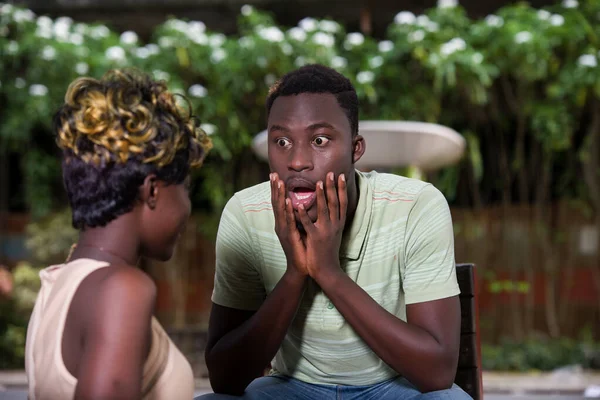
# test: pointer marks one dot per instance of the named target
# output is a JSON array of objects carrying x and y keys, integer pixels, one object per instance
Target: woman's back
[{"x": 166, "y": 372}]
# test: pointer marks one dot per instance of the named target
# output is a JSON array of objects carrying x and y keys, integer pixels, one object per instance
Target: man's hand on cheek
[
  {"x": 324, "y": 236},
  {"x": 285, "y": 227}
]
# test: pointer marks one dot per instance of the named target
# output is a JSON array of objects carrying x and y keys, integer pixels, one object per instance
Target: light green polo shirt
[{"x": 399, "y": 249}]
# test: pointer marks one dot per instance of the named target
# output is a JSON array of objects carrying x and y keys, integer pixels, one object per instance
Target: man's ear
[
  {"x": 149, "y": 191},
  {"x": 358, "y": 148}
]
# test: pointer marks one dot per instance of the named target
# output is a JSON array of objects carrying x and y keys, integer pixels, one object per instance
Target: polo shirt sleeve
[
  {"x": 238, "y": 283},
  {"x": 430, "y": 269}
]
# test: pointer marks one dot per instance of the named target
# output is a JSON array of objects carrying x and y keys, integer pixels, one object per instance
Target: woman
[{"x": 127, "y": 152}]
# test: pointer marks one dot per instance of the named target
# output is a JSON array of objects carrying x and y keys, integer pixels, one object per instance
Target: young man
[{"x": 345, "y": 280}]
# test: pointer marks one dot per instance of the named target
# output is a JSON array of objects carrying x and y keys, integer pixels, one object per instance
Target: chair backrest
[{"x": 468, "y": 374}]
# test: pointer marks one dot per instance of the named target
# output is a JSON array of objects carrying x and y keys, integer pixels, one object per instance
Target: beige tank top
[{"x": 167, "y": 374}]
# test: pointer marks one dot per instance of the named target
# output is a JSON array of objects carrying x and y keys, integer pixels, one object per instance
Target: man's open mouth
[{"x": 301, "y": 191}]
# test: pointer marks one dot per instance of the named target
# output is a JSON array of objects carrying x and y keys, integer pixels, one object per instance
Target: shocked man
[{"x": 343, "y": 282}]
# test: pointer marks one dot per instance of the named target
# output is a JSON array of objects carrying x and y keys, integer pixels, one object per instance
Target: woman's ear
[{"x": 150, "y": 191}]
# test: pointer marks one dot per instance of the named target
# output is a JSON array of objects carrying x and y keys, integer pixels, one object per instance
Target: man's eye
[
  {"x": 282, "y": 142},
  {"x": 320, "y": 140}
]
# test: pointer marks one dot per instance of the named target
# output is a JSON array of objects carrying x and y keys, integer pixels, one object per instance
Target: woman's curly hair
[{"x": 116, "y": 131}]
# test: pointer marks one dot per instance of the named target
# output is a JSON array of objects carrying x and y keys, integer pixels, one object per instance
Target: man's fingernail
[
  {"x": 331, "y": 175},
  {"x": 279, "y": 184},
  {"x": 320, "y": 184},
  {"x": 343, "y": 178},
  {"x": 271, "y": 177}
]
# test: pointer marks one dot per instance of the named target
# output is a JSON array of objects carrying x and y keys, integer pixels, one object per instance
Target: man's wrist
[
  {"x": 329, "y": 277},
  {"x": 293, "y": 276}
]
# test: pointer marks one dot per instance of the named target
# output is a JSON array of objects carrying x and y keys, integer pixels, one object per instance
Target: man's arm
[
  {"x": 242, "y": 343},
  {"x": 425, "y": 348}
]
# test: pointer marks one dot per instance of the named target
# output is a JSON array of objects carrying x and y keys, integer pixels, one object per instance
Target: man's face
[{"x": 309, "y": 136}]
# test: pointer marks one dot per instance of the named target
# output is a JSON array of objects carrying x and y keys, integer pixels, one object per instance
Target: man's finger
[
  {"x": 309, "y": 227},
  {"x": 332, "y": 198},
  {"x": 322, "y": 213},
  {"x": 343, "y": 197}
]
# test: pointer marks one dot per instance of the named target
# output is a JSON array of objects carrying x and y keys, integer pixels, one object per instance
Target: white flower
[
  {"x": 329, "y": 26},
  {"x": 38, "y": 90},
  {"x": 557, "y": 20},
  {"x": 161, "y": 75},
  {"x": 20, "y": 83},
  {"x": 287, "y": 49},
  {"x": 376, "y": 62},
  {"x": 246, "y": 42},
  {"x": 494, "y": 20},
  {"x": 6, "y": 9},
  {"x": 177, "y": 25},
  {"x": 23, "y": 16},
  {"x": 217, "y": 40},
  {"x": 416, "y": 36},
  {"x": 262, "y": 62},
  {"x": 355, "y": 39},
  {"x": 44, "y": 32},
  {"x": 100, "y": 32},
  {"x": 209, "y": 129},
  {"x": 76, "y": 39},
  {"x": 386, "y": 46},
  {"x": 82, "y": 68},
  {"x": 323, "y": 39},
  {"x": 447, "y": 3},
  {"x": 129, "y": 38},
  {"x": 432, "y": 26},
  {"x": 197, "y": 90},
  {"x": 247, "y": 10},
  {"x": 13, "y": 47},
  {"x": 452, "y": 46},
  {"x": 365, "y": 77},
  {"x": 153, "y": 49},
  {"x": 270, "y": 79},
  {"x": 299, "y": 61},
  {"x": 588, "y": 60},
  {"x": 44, "y": 21},
  {"x": 199, "y": 38},
  {"x": 298, "y": 34},
  {"x": 115, "y": 53},
  {"x": 523, "y": 37},
  {"x": 308, "y": 24},
  {"x": 80, "y": 28},
  {"x": 477, "y": 58},
  {"x": 141, "y": 52},
  {"x": 544, "y": 14},
  {"x": 570, "y": 3},
  {"x": 271, "y": 34},
  {"x": 218, "y": 55},
  {"x": 166, "y": 41},
  {"x": 339, "y": 62},
  {"x": 196, "y": 27},
  {"x": 423, "y": 20},
  {"x": 405, "y": 18},
  {"x": 48, "y": 53}
]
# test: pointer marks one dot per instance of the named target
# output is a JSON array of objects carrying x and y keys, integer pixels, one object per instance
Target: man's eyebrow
[
  {"x": 278, "y": 128},
  {"x": 318, "y": 125}
]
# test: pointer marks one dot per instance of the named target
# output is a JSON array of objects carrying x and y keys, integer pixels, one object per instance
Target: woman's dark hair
[{"x": 116, "y": 131}]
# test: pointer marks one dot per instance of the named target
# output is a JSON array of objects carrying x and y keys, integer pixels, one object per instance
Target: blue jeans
[{"x": 286, "y": 388}]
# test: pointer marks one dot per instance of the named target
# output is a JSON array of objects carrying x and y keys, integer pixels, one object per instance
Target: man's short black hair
[{"x": 316, "y": 78}]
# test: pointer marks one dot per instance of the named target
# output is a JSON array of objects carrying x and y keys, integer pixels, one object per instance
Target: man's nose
[{"x": 300, "y": 160}]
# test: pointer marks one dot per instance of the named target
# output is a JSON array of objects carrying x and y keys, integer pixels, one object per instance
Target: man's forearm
[
  {"x": 242, "y": 355},
  {"x": 410, "y": 350}
]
